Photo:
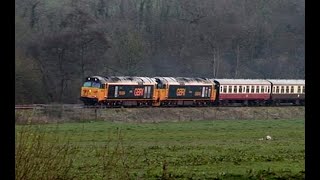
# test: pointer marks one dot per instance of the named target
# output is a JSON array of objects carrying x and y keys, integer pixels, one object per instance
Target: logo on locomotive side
[
  {"x": 181, "y": 92},
  {"x": 197, "y": 93},
  {"x": 122, "y": 93},
  {"x": 138, "y": 92}
]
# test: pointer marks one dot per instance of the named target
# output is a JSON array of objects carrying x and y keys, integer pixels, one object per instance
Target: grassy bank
[{"x": 225, "y": 149}]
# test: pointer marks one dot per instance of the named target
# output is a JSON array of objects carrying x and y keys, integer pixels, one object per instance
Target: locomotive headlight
[{"x": 89, "y": 90}]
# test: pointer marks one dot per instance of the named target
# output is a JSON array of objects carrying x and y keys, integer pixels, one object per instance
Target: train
[{"x": 133, "y": 91}]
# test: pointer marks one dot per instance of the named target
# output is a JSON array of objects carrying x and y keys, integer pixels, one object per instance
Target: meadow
[{"x": 220, "y": 149}]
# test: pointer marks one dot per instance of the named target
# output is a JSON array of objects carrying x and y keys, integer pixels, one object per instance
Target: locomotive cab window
[
  {"x": 160, "y": 84},
  {"x": 95, "y": 84},
  {"x": 87, "y": 84}
]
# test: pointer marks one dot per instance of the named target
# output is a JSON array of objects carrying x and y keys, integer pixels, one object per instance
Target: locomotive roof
[
  {"x": 184, "y": 80},
  {"x": 101, "y": 79},
  {"x": 126, "y": 79},
  {"x": 242, "y": 81},
  {"x": 287, "y": 81},
  {"x": 193, "y": 81}
]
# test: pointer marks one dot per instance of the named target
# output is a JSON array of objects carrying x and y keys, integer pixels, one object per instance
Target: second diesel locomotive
[{"x": 118, "y": 91}]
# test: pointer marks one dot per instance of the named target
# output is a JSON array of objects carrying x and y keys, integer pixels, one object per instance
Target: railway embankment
[{"x": 62, "y": 114}]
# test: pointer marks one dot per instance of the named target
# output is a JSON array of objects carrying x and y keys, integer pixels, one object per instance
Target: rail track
[
  {"x": 81, "y": 106},
  {"x": 44, "y": 106}
]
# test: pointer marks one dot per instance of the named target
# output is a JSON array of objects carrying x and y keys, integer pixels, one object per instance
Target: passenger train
[{"x": 130, "y": 91}]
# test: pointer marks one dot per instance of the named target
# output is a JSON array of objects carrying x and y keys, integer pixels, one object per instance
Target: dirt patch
[{"x": 157, "y": 114}]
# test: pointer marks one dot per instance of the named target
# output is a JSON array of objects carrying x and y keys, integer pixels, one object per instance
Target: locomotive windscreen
[{"x": 92, "y": 82}]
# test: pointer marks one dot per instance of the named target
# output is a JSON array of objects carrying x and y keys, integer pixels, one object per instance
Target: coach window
[
  {"x": 235, "y": 89},
  {"x": 299, "y": 89},
  {"x": 268, "y": 89},
  {"x": 240, "y": 89},
  {"x": 224, "y": 89},
  {"x": 277, "y": 89},
  {"x": 258, "y": 89},
  {"x": 252, "y": 89},
  {"x": 230, "y": 89},
  {"x": 247, "y": 89},
  {"x": 303, "y": 89},
  {"x": 287, "y": 89},
  {"x": 262, "y": 89},
  {"x": 292, "y": 89}
]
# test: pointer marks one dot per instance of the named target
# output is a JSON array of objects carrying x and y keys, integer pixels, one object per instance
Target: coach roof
[
  {"x": 242, "y": 81},
  {"x": 287, "y": 81}
]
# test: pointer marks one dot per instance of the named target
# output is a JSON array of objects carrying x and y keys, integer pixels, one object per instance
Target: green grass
[{"x": 186, "y": 150}]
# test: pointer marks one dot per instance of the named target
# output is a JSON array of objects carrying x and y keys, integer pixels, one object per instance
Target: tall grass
[{"x": 41, "y": 154}]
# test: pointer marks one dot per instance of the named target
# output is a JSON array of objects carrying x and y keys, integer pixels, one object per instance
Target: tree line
[{"x": 59, "y": 43}]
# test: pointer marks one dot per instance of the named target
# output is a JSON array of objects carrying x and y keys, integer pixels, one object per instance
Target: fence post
[{"x": 96, "y": 114}]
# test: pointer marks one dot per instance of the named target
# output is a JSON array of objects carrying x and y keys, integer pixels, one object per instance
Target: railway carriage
[
  {"x": 183, "y": 91},
  {"x": 243, "y": 91},
  {"x": 287, "y": 91}
]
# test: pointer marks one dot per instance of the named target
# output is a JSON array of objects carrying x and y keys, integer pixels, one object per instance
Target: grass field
[{"x": 224, "y": 149}]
